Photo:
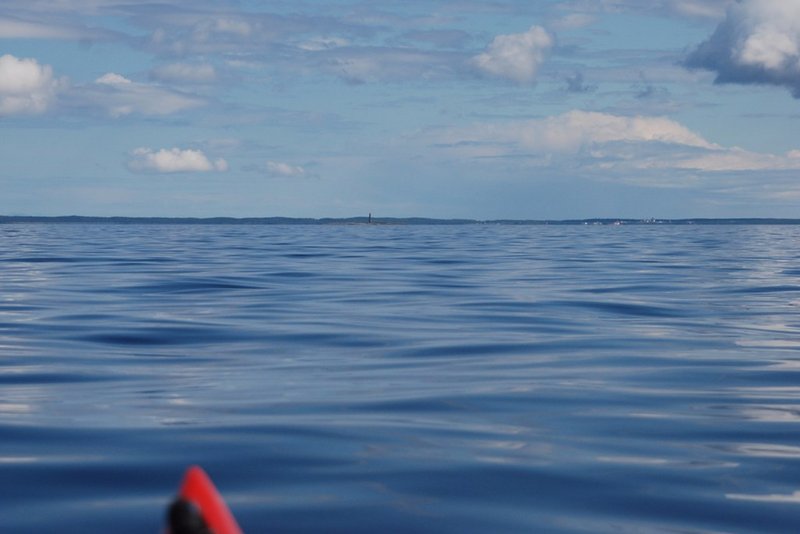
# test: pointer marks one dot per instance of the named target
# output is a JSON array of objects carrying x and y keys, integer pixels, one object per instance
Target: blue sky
[{"x": 328, "y": 108}]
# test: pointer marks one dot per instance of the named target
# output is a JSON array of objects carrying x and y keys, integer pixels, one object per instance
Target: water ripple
[{"x": 402, "y": 378}]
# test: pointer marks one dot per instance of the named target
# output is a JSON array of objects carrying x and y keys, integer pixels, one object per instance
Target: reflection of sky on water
[{"x": 652, "y": 367}]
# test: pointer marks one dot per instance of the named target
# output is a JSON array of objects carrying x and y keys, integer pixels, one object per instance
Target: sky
[{"x": 535, "y": 109}]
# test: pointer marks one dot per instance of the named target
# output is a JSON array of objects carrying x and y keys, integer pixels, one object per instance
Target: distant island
[{"x": 370, "y": 220}]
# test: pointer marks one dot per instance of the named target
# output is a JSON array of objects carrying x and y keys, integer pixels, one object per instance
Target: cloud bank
[
  {"x": 517, "y": 56},
  {"x": 757, "y": 43},
  {"x": 173, "y": 160},
  {"x": 576, "y": 130},
  {"x": 26, "y": 87},
  {"x": 602, "y": 141}
]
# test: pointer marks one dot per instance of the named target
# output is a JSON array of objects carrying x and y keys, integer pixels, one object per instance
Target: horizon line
[{"x": 370, "y": 219}]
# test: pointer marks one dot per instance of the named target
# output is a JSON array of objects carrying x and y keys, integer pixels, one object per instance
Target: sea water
[{"x": 392, "y": 378}]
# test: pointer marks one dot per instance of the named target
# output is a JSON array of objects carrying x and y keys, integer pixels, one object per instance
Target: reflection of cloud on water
[
  {"x": 773, "y": 392},
  {"x": 663, "y": 415},
  {"x": 768, "y": 450},
  {"x": 18, "y": 459},
  {"x": 632, "y": 460},
  {"x": 644, "y": 461},
  {"x": 793, "y": 498},
  {"x": 768, "y": 343},
  {"x": 51, "y": 460},
  {"x": 788, "y": 413},
  {"x": 784, "y": 365},
  {"x": 15, "y": 408}
]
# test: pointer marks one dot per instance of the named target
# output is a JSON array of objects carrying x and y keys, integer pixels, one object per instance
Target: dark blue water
[{"x": 402, "y": 378}]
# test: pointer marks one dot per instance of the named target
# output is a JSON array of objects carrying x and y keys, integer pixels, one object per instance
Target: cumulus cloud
[
  {"x": 112, "y": 78},
  {"x": 279, "y": 168},
  {"x": 26, "y": 87},
  {"x": 757, "y": 42},
  {"x": 608, "y": 142},
  {"x": 517, "y": 56},
  {"x": 118, "y": 96},
  {"x": 170, "y": 160}
]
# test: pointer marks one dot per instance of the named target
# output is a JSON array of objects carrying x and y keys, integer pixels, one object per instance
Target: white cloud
[
  {"x": 169, "y": 160},
  {"x": 517, "y": 56},
  {"x": 118, "y": 96},
  {"x": 278, "y": 168},
  {"x": 737, "y": 159},
  {"x": 112, "y": 78},
  {"x": 604, "y": 141},
  {"x": 26, "y": 87},
  {"x": 185, "y": 73},
  {"x": 758, "y": 42},
  {"x": 323, "y": 43},
  {"x": 577, "y": 130}
]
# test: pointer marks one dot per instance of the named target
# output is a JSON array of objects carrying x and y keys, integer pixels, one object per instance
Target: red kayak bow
[{"x": 198, "y": 493}]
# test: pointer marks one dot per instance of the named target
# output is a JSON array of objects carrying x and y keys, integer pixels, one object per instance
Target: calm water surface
[{"x": 402, "y": 378}]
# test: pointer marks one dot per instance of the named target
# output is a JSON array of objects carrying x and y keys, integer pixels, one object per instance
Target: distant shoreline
[{"x": 376, "y": 221}]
